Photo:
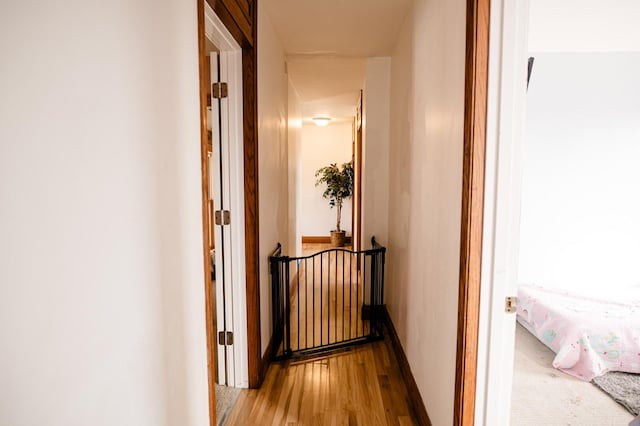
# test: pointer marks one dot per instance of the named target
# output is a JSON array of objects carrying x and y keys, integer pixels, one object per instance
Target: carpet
[
  {"x": 545, "y": 396},
  {"x": 624, "y": 388},
  {"x": 225, "y": 399}
]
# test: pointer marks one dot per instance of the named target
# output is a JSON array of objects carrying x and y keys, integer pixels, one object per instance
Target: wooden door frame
[
  {"x": 246, "y": 37},
  {"x": 353, "y": 191},
  {"x": 476, "y": 82},
  {"x": 356, "y": 226},
  {"x": 475, "y": 132}
]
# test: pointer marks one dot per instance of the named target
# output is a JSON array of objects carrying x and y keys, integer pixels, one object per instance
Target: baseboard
[
  {"x": 268, "y": 355},
  {"x": 320, "y": 239},
  {"x": 415, "y": 399}
]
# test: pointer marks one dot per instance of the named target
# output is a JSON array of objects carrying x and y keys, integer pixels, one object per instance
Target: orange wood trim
[
  {"x": 415, "y": 399},
  {"x": 241, "y": 28},
  {"x": 358, "y": 178},
  {"x": 475, "y": 119},
  {"x": 252, "y": 231},
  {"x": 241, "y": 16},
  {"x": 353, "y": 164},
  {"x": 204, "y": 90},
  {"x": 320, "y": 239}
]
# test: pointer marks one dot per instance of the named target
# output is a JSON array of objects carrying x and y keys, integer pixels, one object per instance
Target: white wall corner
[{"x": 375, "y": 157}]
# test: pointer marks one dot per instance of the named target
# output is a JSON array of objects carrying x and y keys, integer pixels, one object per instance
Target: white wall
[
  {"x": 295, "y": 184},
  {"x": 375, "y": 151},
  {"x": 580, "y": 210},
  {"x": 427, "y": 108},
  {"x": 101, "y": 268},
  {"x": 584, "y": 26},
  {"x": 320, "y": 147},
  {"x": 273, "y": 167}
]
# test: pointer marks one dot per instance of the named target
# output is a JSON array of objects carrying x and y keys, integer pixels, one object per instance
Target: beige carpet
[
  {"x": 225, "y": 400},
  {"x": 545, "y": 396}
]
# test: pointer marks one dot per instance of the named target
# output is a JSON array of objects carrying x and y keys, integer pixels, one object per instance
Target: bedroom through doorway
[
  {"x": 563, "y": 244},
  {"x": 577, "y": 344}
]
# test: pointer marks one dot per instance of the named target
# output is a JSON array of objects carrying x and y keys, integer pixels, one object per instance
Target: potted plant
[{"x": 339, "y": 182}]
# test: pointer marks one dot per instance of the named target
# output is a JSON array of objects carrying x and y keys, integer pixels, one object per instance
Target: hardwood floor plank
[{"x": 360, "y": 386}]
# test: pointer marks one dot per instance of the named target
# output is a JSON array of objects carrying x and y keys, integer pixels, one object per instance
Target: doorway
[
  {"x": 496, "y": 253},
  {"x": 225, "y": 209}
]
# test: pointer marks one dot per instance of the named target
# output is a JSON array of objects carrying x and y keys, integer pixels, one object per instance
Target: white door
[
  {"x": 501, "y": 230},
  {"x": 219, "y": 173}
]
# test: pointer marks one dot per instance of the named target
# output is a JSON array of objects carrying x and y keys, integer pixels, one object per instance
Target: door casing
[
  {"x": 475, "y": 119},
  {"x": 495, "y": 90},
  {"x": 246, "y": 38}
]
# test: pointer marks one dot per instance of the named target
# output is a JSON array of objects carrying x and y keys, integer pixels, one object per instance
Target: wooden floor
[{"x": 361, "y": 386}]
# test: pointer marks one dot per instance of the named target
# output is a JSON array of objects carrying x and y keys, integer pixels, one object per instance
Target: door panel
[{"x": 219, "y": 167}]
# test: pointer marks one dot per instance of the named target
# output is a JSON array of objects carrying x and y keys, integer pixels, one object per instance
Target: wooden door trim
[
  {"x": 475, "y": 120},
  {"x": 204, "y": 148},
  {"x": 250, "y": 142},
  {"x": 252, "y": 230},
  {"x": 250, "y": 147},
  {"x": 353, "y": 165},
  {"x": 357, "y": 167}
]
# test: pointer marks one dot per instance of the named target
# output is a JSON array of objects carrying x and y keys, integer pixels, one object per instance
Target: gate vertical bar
[
  {"x": 298, "y": 296},
  {"x": 306, "y": 305},
  {"x": 321, "y": 334},
  {"x": 357, "y": 293},
  {"x": 328, "y": 298},
  {"x": 364, "y": 286},
  {"x": 335, "y": 323},
  {"x": 342, "y": 331},
  {"x": 313, "y": 306},
  {"x": 287, "y": 304}
]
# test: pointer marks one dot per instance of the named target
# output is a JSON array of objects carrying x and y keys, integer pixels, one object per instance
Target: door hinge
[
  {"x": 222, "y": 217},
  {"x": 220, "y": 90},
  {"x": 510, "y": 304},
  {"x": 225, "y": 338}
]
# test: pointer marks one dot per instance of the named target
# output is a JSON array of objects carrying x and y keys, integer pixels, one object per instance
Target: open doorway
[
  {"x": 225, "y": 211},
  {"x": 577, "y": 341},
  {"x": 559, "y": 226}
]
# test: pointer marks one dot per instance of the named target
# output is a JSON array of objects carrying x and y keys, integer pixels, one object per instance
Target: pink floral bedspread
[{"x": 590, "y": 336}]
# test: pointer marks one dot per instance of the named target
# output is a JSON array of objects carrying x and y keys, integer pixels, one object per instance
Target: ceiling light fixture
[{"x": 321, "y": 121}]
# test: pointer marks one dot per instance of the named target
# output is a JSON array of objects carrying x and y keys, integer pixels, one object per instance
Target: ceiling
[
  {"x": 338, "y": 27},
  {"x": 328, "y": 86},
  {"x": 327, "y": 43}
]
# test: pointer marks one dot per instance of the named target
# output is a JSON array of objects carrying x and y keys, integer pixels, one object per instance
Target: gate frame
[{"x": 281, "y": 301}]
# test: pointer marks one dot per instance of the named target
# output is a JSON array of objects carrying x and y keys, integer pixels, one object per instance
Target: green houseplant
[{"x": 339, "y": 185}]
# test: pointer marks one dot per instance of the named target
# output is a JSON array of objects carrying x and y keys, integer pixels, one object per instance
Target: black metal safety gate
[{"x": 327, "y": 300}]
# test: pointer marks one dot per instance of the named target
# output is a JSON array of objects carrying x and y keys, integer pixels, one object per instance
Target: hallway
[{"x": 360, "y": 386}]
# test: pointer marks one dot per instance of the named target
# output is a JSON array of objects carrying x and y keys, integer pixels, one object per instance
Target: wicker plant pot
[{"x": 338, "y": 238}]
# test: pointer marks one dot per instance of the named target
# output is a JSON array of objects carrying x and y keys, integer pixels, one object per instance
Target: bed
[{"x": 591, "y": 334}]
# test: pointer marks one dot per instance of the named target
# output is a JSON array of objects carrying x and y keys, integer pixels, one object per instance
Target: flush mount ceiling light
[{"x": 321, "y": 121}]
